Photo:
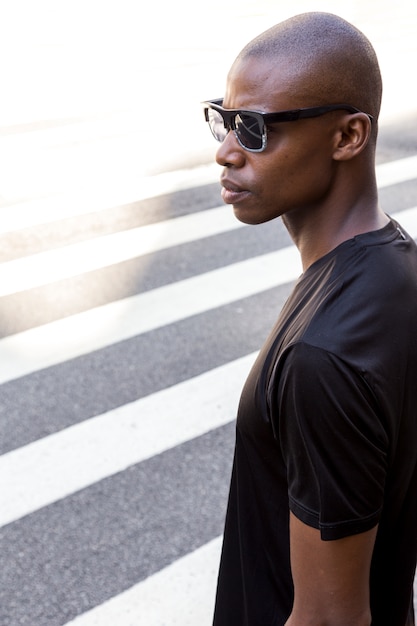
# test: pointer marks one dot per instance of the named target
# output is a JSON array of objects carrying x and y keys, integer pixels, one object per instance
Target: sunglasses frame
[{"x": 263, "y": 119}]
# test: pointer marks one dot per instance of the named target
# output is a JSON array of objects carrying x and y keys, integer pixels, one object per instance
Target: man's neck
[{"x": 317, "y": 233}]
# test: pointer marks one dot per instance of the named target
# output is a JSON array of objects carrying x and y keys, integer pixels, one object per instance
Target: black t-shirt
[{"x": 327, "y": 428}]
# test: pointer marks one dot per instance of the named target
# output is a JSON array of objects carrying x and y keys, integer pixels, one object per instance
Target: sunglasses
[{"x": 250, "y": 127}]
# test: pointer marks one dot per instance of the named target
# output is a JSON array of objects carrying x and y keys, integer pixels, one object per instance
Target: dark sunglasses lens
[
  {"x": 216, "y": 124},
  {"x": 249, "y": 131}
]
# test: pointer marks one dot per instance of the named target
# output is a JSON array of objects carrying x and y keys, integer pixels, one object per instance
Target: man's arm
[{"x": 331, "y": 578}]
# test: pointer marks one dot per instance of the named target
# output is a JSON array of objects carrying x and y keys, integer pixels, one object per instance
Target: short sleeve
[{"x": 333, "y": 442}]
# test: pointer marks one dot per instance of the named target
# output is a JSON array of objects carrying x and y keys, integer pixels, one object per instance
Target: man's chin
[{"x": 251, "y": 218}]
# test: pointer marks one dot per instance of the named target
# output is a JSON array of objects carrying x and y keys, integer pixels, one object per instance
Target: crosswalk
[{"x": 117, "y": 418}]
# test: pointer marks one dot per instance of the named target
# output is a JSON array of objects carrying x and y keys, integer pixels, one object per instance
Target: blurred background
[
  {"x": 103, "y": 93},
  {"x": 132, "y": 303}
]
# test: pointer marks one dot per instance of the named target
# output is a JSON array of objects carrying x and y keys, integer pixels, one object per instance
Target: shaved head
[{"x": 329, "y": 61}]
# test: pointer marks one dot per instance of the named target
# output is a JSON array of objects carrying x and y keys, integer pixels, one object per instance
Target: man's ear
[{"x": 352, "y": 136}]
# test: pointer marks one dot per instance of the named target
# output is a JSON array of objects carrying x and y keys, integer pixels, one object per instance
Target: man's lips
[{"x": 232, "y": 193}]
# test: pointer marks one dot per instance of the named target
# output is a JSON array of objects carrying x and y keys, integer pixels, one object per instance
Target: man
[{"x": 321, "y": 527}]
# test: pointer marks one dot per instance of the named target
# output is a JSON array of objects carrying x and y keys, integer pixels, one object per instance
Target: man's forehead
[
  {"x": 264, "y": 81},
  {"x": 251, "y": 66}
]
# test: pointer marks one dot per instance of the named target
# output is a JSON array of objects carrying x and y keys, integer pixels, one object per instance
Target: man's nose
[{"x": 230, "y": 152}]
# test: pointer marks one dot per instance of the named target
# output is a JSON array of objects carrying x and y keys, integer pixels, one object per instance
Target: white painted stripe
[
  {"x": 408, "y": 220},
  {"x": 396, "y": 172},
  {"x": 44, "y": 471},
  {"x": 58, "y": 341},
  {"x": 46, "y": 267},
  {"x": 415, "y": 598},
  {"x": 106, "y": 196},
  {"x": 53, "y": 208},
  {"x": 182, "y": 594}
]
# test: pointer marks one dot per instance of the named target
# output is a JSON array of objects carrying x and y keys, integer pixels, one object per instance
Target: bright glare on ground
[
  {"x": 126, "y": 81},
  {"x": 98, "y": 95}
]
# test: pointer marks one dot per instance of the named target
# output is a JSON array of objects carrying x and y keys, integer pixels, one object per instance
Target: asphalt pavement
[{"x": 131, "y": 302}]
